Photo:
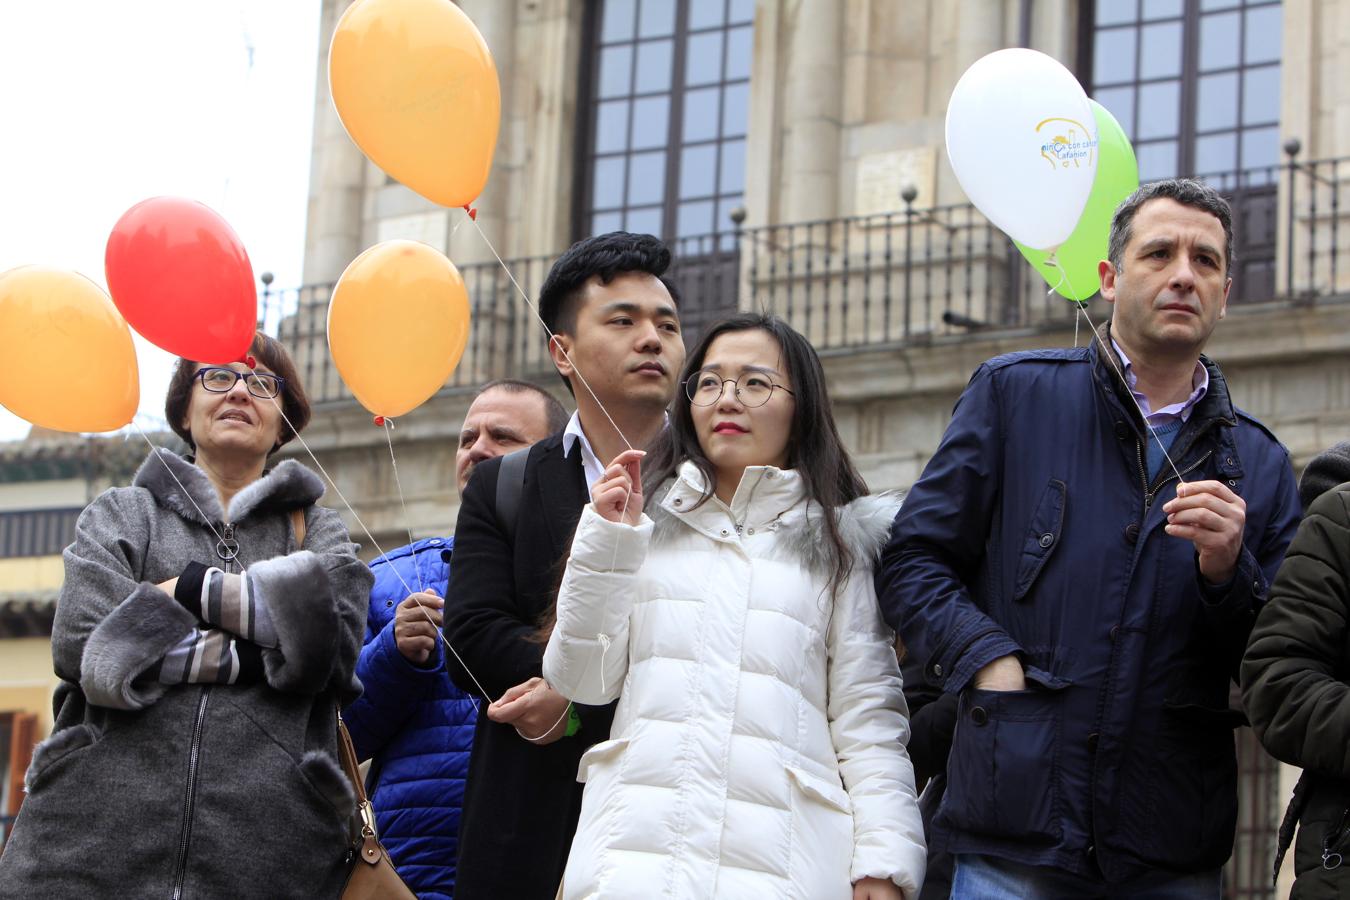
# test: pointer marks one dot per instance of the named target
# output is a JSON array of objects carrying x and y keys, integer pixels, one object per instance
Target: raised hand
[
  {"x": 1211, "y": 517},
  {"x": 417, "y": 626},
  {"x": 618, "y": 494}
]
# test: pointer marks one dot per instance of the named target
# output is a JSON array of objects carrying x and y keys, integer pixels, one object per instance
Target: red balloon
[{"x": 180, "y": 276}]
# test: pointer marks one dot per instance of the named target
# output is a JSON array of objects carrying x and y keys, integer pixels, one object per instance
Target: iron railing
[{"x": 901, "y": 278}]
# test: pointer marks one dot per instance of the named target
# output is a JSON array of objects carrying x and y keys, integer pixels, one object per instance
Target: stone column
[
  {"x": 812, "y": 108},
  {"x": 337, "y": 175}
]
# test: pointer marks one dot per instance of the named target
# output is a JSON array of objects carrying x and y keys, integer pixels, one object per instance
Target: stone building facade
[{"x": 791, "y": 151}]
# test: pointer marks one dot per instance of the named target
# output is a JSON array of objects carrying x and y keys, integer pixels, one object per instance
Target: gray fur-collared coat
[{"x": 189, "y": 790}]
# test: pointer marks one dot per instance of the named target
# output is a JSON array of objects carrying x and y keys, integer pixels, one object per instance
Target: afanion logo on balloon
[{"x": 1069, "y": 142}]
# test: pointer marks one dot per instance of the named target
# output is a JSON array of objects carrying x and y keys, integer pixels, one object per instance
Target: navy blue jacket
[
  {"x": 1035, "y": 531},
  {"x": 415, "y": 726}
]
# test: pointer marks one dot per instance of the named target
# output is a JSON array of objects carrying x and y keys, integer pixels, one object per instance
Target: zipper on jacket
[
  {"x": 185, "y": 833},
  {"x": 1184, "y": 472},
  {"x": 1143, "y": 473}
]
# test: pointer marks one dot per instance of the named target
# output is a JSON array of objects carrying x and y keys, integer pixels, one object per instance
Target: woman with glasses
[
  {"x": 758, "y": 748},
  {"x": 208, "y": 627}
]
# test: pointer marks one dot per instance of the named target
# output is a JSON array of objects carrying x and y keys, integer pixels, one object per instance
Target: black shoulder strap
[{"x": 510, "y": 485}]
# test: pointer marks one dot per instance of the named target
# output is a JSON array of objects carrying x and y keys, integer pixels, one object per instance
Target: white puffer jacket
[{"x": 758, "y": 748}]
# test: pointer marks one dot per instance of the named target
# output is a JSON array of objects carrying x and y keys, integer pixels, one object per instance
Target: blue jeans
[{"x": 988, "y": 878}]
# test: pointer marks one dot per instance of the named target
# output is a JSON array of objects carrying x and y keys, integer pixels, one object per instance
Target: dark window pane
[
  {"x": 694, "y": 218},
  {"x": 1113, "y": 12},
  {"x": 657, "y": 18},
  {"x": 616, "y": 69},
  {"x": 644, "y": 221},
  {"x": 646, "y": 178},
  {"x": 742, "y": 11},
  {"x": 653, "y": 66},
  {"x": 700, "y": 115},
  {"x": 698, "y": 171},
  {"x": 1216, "y": 102},
  {"x": 1260, "y": 147},
  {"x": 651, "y": 122},
  {"x": 1160, "y": 52},
  {"x": 740, "y": 48},
  {"x": 1263, "y": 37},
  {"x": 608, "y": 190},
  {"x": 604, "y": 223},
  {"x": 619, "y": 16},
  {"x": 1113, "y": 56},
  {"x": 1120, "y": 103},
  {"x": 703, "y": 64},
  {"x": 1216, "y": 153},
  {"x": 705, "y": 13},
  {"x": 611, "y": 126},
  {"x": 1261, "y": 95},
  {"x": 1157, "y": 160},
  {"x": 1161, "y": 9},
  {"x": 1159, "y": 109},
  {"x": 733, "y": 168},
  {"x": 1219, "y": 41},
  {"x": 735, "y": 110}
]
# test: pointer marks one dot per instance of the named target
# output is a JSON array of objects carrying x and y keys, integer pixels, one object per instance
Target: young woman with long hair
[{"x": 758, "y": 748}]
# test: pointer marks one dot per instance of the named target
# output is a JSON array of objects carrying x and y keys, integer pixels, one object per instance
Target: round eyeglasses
[
  {"x": 752, "y": 388},
  {"x": 219, "y": 380}
]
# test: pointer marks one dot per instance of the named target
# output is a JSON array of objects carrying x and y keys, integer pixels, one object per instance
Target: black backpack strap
[
  {"x": 510, "y": 486},
  {"x": 1297, "y": 803}
]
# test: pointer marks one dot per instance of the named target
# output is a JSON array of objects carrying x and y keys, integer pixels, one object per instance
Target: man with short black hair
[
  {"x": 618, "y": 347},
  {"x": 1081, "y": 562}
]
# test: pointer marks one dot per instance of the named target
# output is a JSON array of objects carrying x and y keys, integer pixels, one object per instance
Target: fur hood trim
[
  {"x": 864, "y": 527},
  {"x": 176, "y": 483}
]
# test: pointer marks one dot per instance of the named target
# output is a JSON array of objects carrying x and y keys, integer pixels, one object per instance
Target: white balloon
[{"x": 1022, "y": 140}]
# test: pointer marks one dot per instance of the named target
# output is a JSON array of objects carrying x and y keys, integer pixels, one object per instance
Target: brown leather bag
[{"x": 372, "y": 876}]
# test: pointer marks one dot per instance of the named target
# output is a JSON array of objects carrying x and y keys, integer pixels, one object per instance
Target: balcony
[{"x": 912, "y": 277}]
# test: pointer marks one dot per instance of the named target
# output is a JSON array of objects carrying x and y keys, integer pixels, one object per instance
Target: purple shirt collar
[{"x": 1182, "y": 411}]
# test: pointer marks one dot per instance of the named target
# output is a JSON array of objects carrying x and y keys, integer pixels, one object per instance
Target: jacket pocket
[
  {"x": 599, "y": 754},
  {"x": 1003, "y": 773},
  {"x": 1193, "y": 791},
  {"x": 1042, "y": 537},
  {"x": 831, "y": 793},
  {"x": 65, "y": 745}
]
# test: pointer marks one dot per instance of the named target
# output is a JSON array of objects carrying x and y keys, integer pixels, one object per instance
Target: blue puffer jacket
[
  {"x": 1035, "y": 531},
  {"x": 415, "y": 726}
]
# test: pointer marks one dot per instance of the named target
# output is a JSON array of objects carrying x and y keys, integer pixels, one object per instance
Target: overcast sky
[{"x": 104, "y": 103}]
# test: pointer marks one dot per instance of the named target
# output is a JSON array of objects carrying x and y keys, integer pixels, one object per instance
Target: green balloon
[{"x": 1074, "y": 270}]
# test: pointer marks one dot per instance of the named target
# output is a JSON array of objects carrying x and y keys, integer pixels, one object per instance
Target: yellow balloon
[
  {"x": 416, "y": 88},
  {"x": 69, "y": 361},
  {"x": 397, "y": 325}
]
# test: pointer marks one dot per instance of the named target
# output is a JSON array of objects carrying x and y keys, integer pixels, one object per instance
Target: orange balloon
[
  {"x": 397, "y": 325},
  {"x": 416, "y": 88},
  {"x": 70, "y": 364}
]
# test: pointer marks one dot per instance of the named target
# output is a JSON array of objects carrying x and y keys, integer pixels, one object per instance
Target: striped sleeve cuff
[
  {"x": 210, "y": 656},
  {"x": 228, "y": 601}
]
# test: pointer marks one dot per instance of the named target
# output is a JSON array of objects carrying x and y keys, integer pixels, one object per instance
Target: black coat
[
  {"x": 1296, "y": 687},
  {"x": 521, "y": 801}
]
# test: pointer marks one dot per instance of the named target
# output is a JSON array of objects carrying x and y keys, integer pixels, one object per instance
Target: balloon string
[
  {"x": 551, "y": 336},
  {"x": 407, "y": 520},
  {"x": 1111, "y": 357}
]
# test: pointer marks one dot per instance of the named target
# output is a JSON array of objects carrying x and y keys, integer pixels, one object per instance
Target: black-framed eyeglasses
[
  {"x": 218, "y": 380},
  {"x": 752, "y": 389}
]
